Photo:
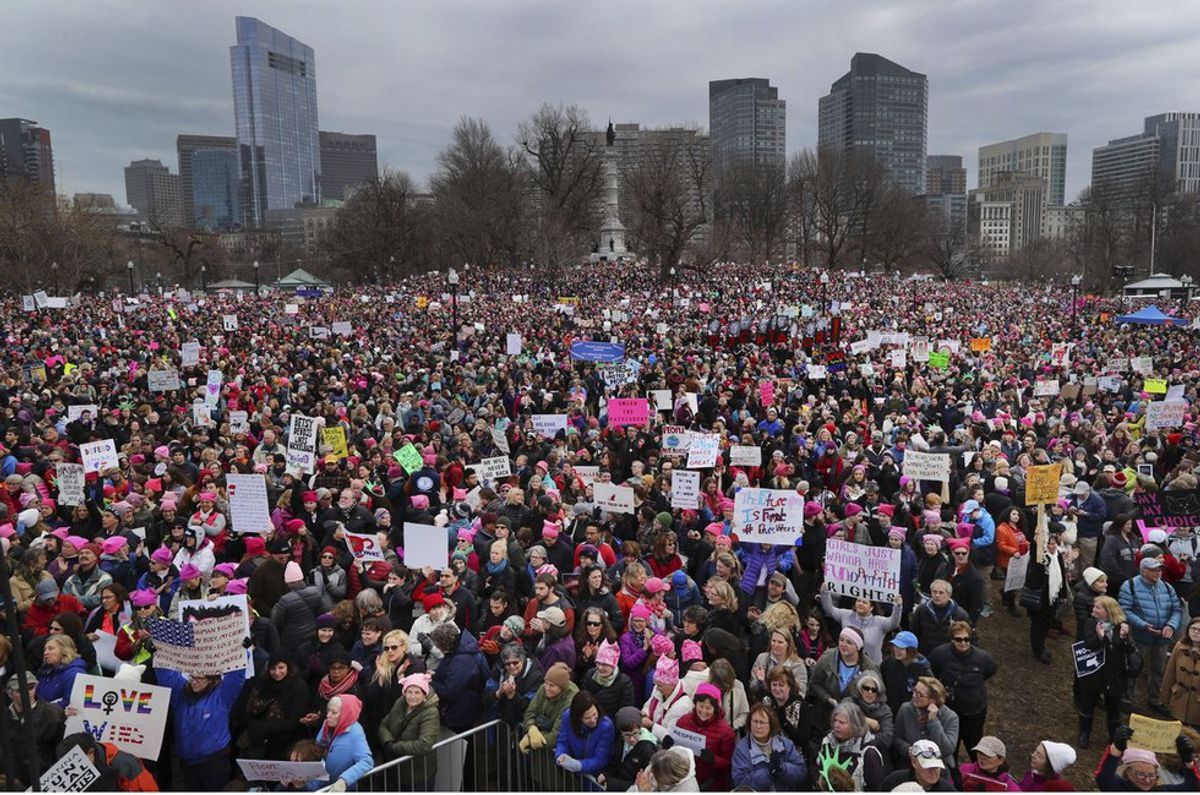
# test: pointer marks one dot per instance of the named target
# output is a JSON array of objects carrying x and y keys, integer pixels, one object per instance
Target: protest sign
[
  {"x": 364, "y": 547},
  {"x": 662, "y": 399},
  {"x": 302, "y": 443},
  {"x": 342, "y": 328},
  {"x": 862, "y": 572},
  {"x": 239, "y": 422},
  {"x": 817, "y": 372},
  {"x": 549, "y": 424},
  {"x": 1041, "y": 484},
  {"x": 860, "y": 347},
  {"x": 201, "y": 416},
  {"x": 335, "y": 440},
  {"x": 676, "y": 440},
  {"x": 745, "y": 456},
  {"x": 318, "y": 332},
  {"x": 128, "y": 714},
  {"x": 500, "y": 440},
  {"x": 766, "y": 392},
  {"x": 1142, "y": 364},
  {"x": 703, "y": 450},
  {"x": 40, "y": 299},
  {"x": 616, "y": 376},
  {"x": 1109, "y": 383},
  {"x": 210, "y": 646},
  {"x": 628, "y": 411},
  {"x": 270, "y": 770},
  {"x": 1155, "y": 386},
  {"x": 248, "y": 508},
  {"x": 99, "y": 456},
  {"x": 587, "y": 474},
  {"x": 767, "y": 516},
  {"x": 198, "y": 609},
  {"x": 899, "y": 360},
  {"x": 70, "y": 484},
  {"x": 612, "y": 498},
  {"x": 927, "y": 466},
  {"x": 1014, "y": 578},
  {"x": 291, "y": 309},
  {"x": 1168, "y": 509},
  {"x": 1117, "y": 365},
  {"x": 1165, "y": 413},
  {"x": 685, "y": 489},
  {"x": 1176, "y": 392},
  {"x": 75, "y": 412},
  {"x": 230, "y": 322},
  {"x": 921, "y": 348},
  {"x": 1087, "y": 661},
  {"x": 1047, "y": 388},
  {"x": 939, "y": 360},
  {"x": 73, "y": 773},
  {"x": 189, "y": 354},
  {"x": 212, "y": 389},
  {"x": 28, "y": 304},
  {"x": 1154, "y": 735},
  {"x": 512, "y": 344},
  {"x": 165, "y": 380},
  {"x": 425, "y": 545},
  {"x": 494, "y": 468},
  {"x": 981, "y": 344},
  {"x": 409, "y": 457},
  {"x": 694, "y": 741}
]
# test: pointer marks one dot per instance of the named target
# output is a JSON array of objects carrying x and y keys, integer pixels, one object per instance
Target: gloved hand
[
  {"x": 523, "y": 746},
  {"x": 248, "y": 643},
  {"x": 775, "y": 766},
  {"x": 426, "y": 643},
  {"x": 1121, "y": 737},
  {"x": 338, "y": 786},
  {"x": 537, "y": 740},
  {"x": 667, "y": 742},
  {"x": 1186, "y": 749},
  {"x": 570, "y": 763},
  {"x": 706, "y": 756}
]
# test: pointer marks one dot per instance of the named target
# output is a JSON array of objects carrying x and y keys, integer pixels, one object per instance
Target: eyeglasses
[
  {"x": 1142, "y": 775},
  {"x": 869, "y": 689},
  {"x": 391, "y": 648},
  {"x": 961, "y": 554},
  {"x": 962, "y": 640},
  {"x": 631, "y": 732},
  {"x": 327, "y": 556},
  {"x": 513, "y": 663},
  {"x": 595, "y": 624}
]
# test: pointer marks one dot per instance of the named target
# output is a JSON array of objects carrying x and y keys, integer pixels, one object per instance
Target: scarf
[
  {"x": 1054, "y": 577},
  {"x": 606, "y": 682},
  {"x": 497, "y": 568},
  {"x": 326, "y": 690}
]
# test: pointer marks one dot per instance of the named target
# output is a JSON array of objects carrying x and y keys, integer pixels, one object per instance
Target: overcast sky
[{"x": 117, "y": 80}]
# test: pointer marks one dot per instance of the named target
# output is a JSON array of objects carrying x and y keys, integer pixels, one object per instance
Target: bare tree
[
  {"x": 753, "y": 199},
  {"x": 564, "y": 159},
  {"x": 667, "y": 195},
  {"x": 1039, "y": 260},
  {"x": 843, "y": 190},
  {"x": 382, "y": 231},
  {"x": 945, "y": 248},
  {"x": 894, "y": 236},
  {"x": 480, "y": 198},
  {"x": 802, "y": 209}
]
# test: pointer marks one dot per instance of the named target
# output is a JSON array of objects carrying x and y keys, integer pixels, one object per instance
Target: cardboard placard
[
  {"x": 1041, "y": 484},
  {"x": 685, "y": 489},
  {"x": 1154, "y": 735},
  {"x": 249, "y": 511},
  {"x": 862, "y": 572},
  {"x": 612, "y": 498},
  {"x": 767, "y": 516},
  {"x": 425, "y": 545},
  {"x": 130, "y": 715}
]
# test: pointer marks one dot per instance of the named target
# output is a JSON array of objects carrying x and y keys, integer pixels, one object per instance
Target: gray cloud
[{"x": 118, "y": 80}]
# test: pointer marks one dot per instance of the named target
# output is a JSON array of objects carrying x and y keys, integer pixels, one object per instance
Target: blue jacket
[
  {"x": 201, "y": 724},
  {"x": 680, "y": 599},
  {"x": 459, "y": 682},
  {"x": 54, "y": 684},
  {"x": 348, "y": 758},
  {"x": 1147, "y": 605},
  {"x": 752, "y": 769},
  {"x": 1090, "y": 523},
  {"x": 592, "y": 749}
]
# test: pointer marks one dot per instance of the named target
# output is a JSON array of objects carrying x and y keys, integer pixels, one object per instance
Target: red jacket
[
  {"x": 39, "y": 617},
  {"x": 721, "y": 741},
  {"x": 664, "y": 570}
]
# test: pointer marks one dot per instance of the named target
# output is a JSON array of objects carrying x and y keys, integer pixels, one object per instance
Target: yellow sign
[
  {"x": 335, "y": 439},
  {"x": 422, "y": 302},
  {"x": 981, "y": 344},
  {"x": 1154, "y": 735},
  {"x": 1155, "y": 386},
  {"x": 569, "y": 300},
  {"x": 1041, "y": 484}
]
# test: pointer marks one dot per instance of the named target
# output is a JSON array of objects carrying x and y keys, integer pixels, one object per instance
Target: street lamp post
[
  {"x": 391, "y": 269},
  {"x": 129, "y": 265},
  {"x": 256, "y": 277},
  {"x": 825, "y": 292},
  {"x": 54, "y": 276},
  {"x": 1187, "y": 293},
  {"x": 1075, "y": 281},
  {"x": 453, "y": 279},
  {"x": 158, "y": 279},
  {"x": 204, "y": 278}
]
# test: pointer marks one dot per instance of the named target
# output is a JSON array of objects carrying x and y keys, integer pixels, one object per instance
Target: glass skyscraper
[
  {"x": 216, "y": 186},
  {"x": 275, "y": 111}
]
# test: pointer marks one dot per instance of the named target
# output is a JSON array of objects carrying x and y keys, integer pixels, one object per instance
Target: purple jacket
[
  {"x": 561, "y": 650},
  {"x": 755, "y": 561},
  {"x": 633, "y": 655}
]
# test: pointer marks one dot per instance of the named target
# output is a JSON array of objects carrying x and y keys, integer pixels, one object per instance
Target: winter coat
[
  {"x": 1090, "y": 522},
  {"x": 931, "y": 624},
  {"x": 592, "y": 748},
  {"x": 459, "y": 682},
  {"x": 512, "y": 710},
  {"x": 795, "y": 666},
  {"x": 545, "y": 712},
  {"x": 348, "y": 757},
  {"x": 1119, "y": 559},
  {"x": 561, "y": 650},
  {"x": 976, "y": 780},
  {"x": 1108, "y": 781},
  {"x": 54, "y": 684},
  {"x": 873, "y": 627},
  {"x": 625, "y": 763},
  {"x": 1081, "y": 603},
  {"x": 964, "y": 676},
  {"x": 824, "y": 684},
  {"x": 1181, "y": 684},
  {"x": 719, "y": 741},
  {"x": 943, "y": 731},
  {"x": 201, "y": 722},
  {"x": 87, "y": 587},
  {"x": 413, "y": 733},
  {"x": 898, "y": 679},
  {"x": 273, "y": 713},
  {"x": 332, "y": 583},
  {"x": 664, "y": 713},
  {"x": 783, "y": 771},
  {"x": 1150, "y": 605},
  {"x": 43, "y": 730},
  {"x": 295, "y": 615},
  {"x": 619, "y": 694},
  {"x": 633, "y": 657}
]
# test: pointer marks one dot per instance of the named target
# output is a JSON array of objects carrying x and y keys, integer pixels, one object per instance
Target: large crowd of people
[{"x": 650, "y": 650}]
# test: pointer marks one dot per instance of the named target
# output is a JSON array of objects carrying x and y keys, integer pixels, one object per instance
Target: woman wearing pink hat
[
  {"x": 713, "y": 763},
  {"x": 209, "y": 521},
  {"x": 411, "y": 729},
  {"x": 1125, "y": 769},
  {"x": 668, "y": 700}
]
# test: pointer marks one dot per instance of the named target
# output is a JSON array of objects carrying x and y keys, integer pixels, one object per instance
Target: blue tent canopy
[{"x": 1150, "y": 316}]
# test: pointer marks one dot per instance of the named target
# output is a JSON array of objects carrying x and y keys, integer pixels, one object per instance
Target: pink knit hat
[
  {"x": 934, "y": 537},
  {"x": 708, "y": 689},
  {"x": 419, "y": 501},
  {"x": 608, "y": 654},
  {"x": 691, "y": 651},
  {"x": 666, "y": 671},
  {"x": 235, "y": 587},
  {"x": 661, "y": 645},
  {"x": 639, "y": 611},
  {"x": 161, "y": 555}
]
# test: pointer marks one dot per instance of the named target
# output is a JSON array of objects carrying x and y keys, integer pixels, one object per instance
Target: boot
[{"x": 1085, "y": 732}]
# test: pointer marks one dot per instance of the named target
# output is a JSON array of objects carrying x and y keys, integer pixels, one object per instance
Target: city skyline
[{"x": 398, "y": 71}]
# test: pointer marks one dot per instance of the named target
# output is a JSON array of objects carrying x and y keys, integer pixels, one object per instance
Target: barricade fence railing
[{"x": 485, "y": 758}]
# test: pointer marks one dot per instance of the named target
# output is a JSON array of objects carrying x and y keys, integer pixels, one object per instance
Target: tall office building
[
  {"x": 216, "y": 199},
  {"x": 275, "y": 114},
  {"x": 879, "y": 110},
  {"x": 347, "y": 161},
  {"x": 25, "y": 151},
  {"x": 185, "y": 147},
  {"x": 1007, "y": 215},
  {"x": 944, "y": 174},
  {"x": 152, "y": 190},
  {"x": 1041, "y": 154},
  {"x": 747, "y": 122},
  {"x": 1169, "y": 146}
]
